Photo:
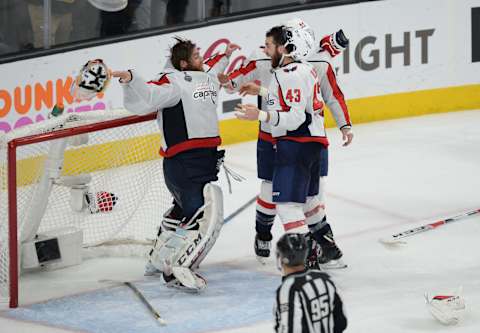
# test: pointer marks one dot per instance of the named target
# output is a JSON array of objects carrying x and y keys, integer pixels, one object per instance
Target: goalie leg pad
[
  {"x": 210, "y": 224},
  {"x": 187, "y": 248},
  {"x": 170, "y": 245}
]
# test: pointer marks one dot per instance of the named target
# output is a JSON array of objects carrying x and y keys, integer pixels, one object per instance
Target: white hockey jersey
[
  {"x": 295, "y": 104},
  {"x": 186, "y": 106},
  {"x": 258, "y": 68}
]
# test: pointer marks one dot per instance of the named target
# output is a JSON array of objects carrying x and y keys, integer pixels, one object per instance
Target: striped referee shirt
[{"x": 307, "y": 302}]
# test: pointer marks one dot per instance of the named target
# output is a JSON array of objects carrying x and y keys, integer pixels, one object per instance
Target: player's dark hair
[
  {"x": 278, "y": 34},
  {"x": 182, "y": 50}
]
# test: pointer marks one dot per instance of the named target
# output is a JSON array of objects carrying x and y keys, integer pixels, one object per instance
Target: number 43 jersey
[
  {"x": 295, "y": 104},
  {"x": 308, "y": 302}
]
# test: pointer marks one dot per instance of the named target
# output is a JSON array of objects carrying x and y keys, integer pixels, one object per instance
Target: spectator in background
[
  {"x": 176, "y": 10},
  {"x": 118, "y": 17},
  {"x": 219, "y": 8},
  {"x": 15, "y": 27},
  {"x": 60, "y": 24},
  {"x": 4, "y": 48}
]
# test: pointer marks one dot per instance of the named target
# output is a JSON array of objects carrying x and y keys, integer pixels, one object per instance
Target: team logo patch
[
  {"x": 205, "y": 91},
  {"x": 187, "y": 77},
  {"x": 270, "y": 100}
]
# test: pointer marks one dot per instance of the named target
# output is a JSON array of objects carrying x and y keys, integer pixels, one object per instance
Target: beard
[
  {"x": 192, "y": 67},
  {"x": 275, "y": 59}
]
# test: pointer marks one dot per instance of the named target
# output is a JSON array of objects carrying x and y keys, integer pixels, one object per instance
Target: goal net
[{"x": 97, "y": 173}]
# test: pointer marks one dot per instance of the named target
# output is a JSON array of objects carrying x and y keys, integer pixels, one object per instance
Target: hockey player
[
  {"x": 185, "y": 98},
  {"x": 307, "y": 300},
  {"x": 295, "y": 112},
  {"x": 259, "y": 70}
]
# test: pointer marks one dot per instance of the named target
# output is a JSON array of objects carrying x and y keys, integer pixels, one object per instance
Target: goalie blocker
[{"x": 178, "y": 250}]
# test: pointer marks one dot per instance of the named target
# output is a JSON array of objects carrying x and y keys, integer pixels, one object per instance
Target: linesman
[{"x": 307, "y": 300}]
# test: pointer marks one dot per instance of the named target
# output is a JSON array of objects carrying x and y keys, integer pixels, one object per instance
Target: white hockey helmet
[
  {"x": 298, "y": 23},
  {"x": 300, "y": 39}
]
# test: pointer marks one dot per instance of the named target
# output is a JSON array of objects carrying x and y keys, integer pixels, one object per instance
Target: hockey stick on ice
[
  {"x": 142, "y": 298},
  {"x": 397, "y": 238},
  {"x": 239, "y": 210}
]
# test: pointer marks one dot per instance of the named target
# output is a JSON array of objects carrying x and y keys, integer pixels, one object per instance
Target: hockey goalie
[{"x": 184, "y": 97}]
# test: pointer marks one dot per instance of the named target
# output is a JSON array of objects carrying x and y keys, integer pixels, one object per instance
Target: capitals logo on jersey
[
  {"x": 205, "y": 91},
  {"x": 270, "y": 99}
]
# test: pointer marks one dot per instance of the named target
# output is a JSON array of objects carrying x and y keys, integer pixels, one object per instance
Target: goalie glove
[
  {"x": 334, "y": 44},
  {"x": 447, "y": 309},
  {"x": 100, "y": 202}
]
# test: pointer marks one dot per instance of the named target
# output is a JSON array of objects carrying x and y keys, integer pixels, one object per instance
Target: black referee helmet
[{"x": 292, "y": 249}]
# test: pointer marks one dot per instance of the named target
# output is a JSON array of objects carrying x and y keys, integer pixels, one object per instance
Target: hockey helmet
[
  {"x": 299, "y": 39},
  {"x": 292, "y": 249}
]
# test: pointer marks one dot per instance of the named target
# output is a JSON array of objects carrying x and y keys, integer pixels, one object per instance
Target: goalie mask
[
  {"x": 299, "y": 39},
  {"x": 92, "y": 79}
]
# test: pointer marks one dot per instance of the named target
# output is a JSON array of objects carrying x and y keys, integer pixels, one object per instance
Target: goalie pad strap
[{"x": 187, "y": 248}]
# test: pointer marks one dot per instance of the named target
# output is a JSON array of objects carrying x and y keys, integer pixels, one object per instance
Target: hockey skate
[
  {"x": 330, "y": 254},
  {"x": 313, "y": 255},
  {"x": 192, "y": 282},
  {"x": 262, "y": 249}
]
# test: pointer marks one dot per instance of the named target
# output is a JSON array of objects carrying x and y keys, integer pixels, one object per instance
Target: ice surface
[{"x": 396, "y": 175}]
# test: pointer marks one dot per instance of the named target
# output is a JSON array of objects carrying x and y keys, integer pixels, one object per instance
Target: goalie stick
[
  {"x": 397, "y": 238},
  {"x": 142, "y": 298}
]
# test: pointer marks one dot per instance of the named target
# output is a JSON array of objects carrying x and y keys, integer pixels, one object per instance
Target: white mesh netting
[{"x": 123, "y": 160}]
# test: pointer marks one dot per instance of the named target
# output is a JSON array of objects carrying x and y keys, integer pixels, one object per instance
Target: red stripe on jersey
[
  {"x": 317, "y": 104},
  {"x": 295, "y": 224},
  {"x": 265, "y": 204},
  {"x": 244, "y": 70},
  {"x": 212, "y": 61},
  {"x": 266, "y": 137},
  {"x": 283, "y": 104},
  {"x": 163, "y": 80},
  {"x": 320, "y": 139},
  {"x": 337, "y": 93},
  {"x": 191, "y": 144}
]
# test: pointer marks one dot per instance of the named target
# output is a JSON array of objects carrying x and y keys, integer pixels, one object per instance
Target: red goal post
[{"x": 43, "y": 167}]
